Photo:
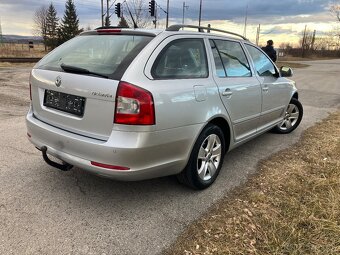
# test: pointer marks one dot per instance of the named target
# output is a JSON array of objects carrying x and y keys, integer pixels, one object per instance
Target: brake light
[
  {"x": 134, "y": 105},
  {"x": 109, "y": 30},
  {"x": 30, "y": 91}
]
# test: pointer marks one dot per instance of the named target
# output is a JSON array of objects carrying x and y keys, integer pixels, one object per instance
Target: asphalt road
[{"x": 46, "y": 211}]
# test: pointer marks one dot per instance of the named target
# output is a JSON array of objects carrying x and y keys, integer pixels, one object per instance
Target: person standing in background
[{"x": 269, "y": 49}]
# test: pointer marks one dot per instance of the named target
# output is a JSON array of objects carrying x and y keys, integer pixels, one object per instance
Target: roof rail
[{"x": 177, "y": 27}]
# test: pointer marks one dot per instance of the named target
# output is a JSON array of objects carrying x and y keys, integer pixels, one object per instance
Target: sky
[{"x": 281, "y": 20}]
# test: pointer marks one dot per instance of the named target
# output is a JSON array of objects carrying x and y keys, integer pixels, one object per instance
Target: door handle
[
  {"x": 265, "y": 88},
  {"x": 227, "y": 92}
]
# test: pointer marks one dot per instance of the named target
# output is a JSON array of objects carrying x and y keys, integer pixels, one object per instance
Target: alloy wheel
[
  {"x": 291, "y": 117},
  {"x": 209, "y": 157}
]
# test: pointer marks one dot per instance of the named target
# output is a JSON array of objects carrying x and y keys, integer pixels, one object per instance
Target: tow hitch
[{"x": 63, "y": 167}]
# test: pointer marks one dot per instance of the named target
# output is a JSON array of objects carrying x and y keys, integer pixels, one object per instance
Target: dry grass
[
  {"x": 311, "y": 58},
  {"x": 292, "y": 206},
  {"x": 12, "y": 65},
  {"x": 291, "y": 64},
  {"x": 18, "y": 50}
]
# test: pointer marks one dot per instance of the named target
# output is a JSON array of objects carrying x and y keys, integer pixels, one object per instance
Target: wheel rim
[
  {"x": 291, "y": 117},
  {"x": 209, "y": 157}
]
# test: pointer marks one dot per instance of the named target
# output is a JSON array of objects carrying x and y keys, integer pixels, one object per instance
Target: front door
[{"x": 275, "y": 90}]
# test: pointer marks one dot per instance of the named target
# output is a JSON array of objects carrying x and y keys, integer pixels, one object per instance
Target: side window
[
  {"x": 181, "y": 59},
  {"x": 262, "y": 64},
  {"x": 233, "y": 58}
]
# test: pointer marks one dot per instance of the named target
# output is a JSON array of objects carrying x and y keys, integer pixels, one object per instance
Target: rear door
[
  {"x": 81, "y": 98},
  {"x": 239, "y": 90}
]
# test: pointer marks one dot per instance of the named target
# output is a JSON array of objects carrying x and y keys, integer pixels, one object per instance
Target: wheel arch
[
  {"x": 224, "y": 126},
  {"x": 295, "y": 95}
]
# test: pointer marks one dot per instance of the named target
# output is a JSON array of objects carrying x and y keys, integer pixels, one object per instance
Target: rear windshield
[{"x": 109, "y": 55}]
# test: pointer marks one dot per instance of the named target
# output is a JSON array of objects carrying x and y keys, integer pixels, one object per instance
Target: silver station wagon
[{"x": 133, "y": 104}]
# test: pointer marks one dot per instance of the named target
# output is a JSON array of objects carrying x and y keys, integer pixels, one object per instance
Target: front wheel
[
  {"x": 205, "y": 160},
  {"x": 292, "y": 118}
]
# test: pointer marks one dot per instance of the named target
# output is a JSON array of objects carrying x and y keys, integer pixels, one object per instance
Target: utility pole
[
  {"x": 313, "y": 40},
  {"x": 167, "y": 14},
  {"x": 1, "y": 39},
  {"x": 304, "y": 42},
  {"x": 107, "y": 20},
  {"x": 184, "y": 7},
  {"x": 102, "y": 2},
  {"x": 258, "y": 35},
  {"x": 245, "y": 23},
  {"x": 155, "y": 21},
  {"x": 200, "y": 15}
]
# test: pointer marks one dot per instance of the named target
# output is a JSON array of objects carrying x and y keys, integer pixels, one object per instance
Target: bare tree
[
  {"x": 323, "y": 42},
  {"x": 335, "y": 10},
  {"x": 306, "y": 41},
  {"x": 140, "y": 12},
  {"x": 40, "y": 23}
]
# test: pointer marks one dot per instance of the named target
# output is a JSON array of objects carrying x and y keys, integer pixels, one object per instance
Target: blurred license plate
[{"x": 64, "y": 102}]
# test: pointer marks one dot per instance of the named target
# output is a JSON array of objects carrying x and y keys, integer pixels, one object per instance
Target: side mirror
[{"x": 286, "y": 71}]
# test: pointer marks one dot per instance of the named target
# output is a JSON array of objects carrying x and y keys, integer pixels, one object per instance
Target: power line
[{"x": 1, "y": 39}]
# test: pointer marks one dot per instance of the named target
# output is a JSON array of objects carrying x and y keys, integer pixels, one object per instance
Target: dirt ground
[
  {"x": 46, "y": 211},
  {"x": 14, "y": 93}
]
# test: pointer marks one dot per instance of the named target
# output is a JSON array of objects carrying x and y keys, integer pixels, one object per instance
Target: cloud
[
  {"x": 17, "y": 15},
  {"x": 235, "y": 10}
]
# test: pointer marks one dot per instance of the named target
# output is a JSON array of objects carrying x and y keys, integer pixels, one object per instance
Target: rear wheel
[
  {"x": 292, "y": 118},
  {"x": 205, "y": 160}
]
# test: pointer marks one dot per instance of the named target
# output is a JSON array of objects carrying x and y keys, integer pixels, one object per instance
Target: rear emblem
[{"x": 58, "y": 81}]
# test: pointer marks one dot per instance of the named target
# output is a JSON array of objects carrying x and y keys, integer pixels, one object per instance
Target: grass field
[
  {"x": 292, "y": 206},
  {"x": 19, "y": 50}
]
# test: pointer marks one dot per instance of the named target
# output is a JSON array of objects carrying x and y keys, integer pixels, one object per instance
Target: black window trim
[
  {"x": 156, "y": 62},
  {"x": 219, "y": 54}
]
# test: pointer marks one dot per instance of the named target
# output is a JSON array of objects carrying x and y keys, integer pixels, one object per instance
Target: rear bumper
[{"x": 146, "y": 154}]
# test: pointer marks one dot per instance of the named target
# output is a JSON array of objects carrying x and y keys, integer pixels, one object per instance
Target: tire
[
  {"x": 292, "y": 119},
  {"x": 205, "y": 160}
]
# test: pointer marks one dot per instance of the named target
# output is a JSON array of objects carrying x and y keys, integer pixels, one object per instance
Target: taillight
[
  {"x": 134, "y": 105},
  {"x": 30, "y": 91}
]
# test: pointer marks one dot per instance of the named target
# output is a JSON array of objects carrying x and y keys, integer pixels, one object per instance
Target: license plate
[{"x": 64, "y": 102}]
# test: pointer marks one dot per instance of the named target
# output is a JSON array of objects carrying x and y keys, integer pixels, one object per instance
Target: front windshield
[{"x": 103, "y": 54}]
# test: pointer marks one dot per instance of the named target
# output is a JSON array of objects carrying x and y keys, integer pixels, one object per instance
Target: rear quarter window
[{"x": 181, "y": 59}]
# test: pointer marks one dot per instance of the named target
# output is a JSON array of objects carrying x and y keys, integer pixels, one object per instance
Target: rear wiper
[{"x": 75, "y": 69}]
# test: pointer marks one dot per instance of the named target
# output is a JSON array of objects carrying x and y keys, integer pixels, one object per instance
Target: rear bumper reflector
[{"x": 109, "y": 166}]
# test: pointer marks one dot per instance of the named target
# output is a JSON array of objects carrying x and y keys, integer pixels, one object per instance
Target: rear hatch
[{"x": 74, "y": 87}]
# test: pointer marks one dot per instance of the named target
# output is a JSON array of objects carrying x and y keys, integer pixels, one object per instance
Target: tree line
[{"x": 55, "y": 31}]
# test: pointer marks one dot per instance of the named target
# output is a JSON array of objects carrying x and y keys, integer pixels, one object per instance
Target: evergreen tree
[
  {"x": 52, "y": 27},
  {"x": 69, "y": 27},
  {"x": 123, "y": 22}
]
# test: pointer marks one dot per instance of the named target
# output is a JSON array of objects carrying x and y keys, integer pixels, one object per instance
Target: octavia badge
[{"x": 58, "y": 81}]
